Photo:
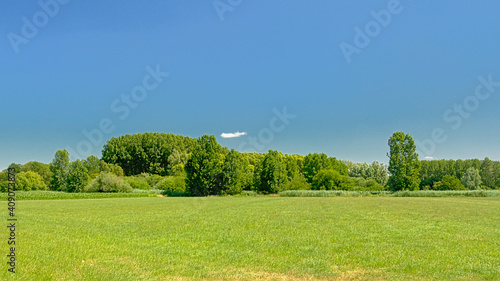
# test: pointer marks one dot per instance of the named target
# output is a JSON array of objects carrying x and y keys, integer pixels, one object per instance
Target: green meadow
[{"x": 257, "y": 238}]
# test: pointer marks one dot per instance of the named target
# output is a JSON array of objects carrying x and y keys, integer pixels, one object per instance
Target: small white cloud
[
  {"x": 233, "y": 135},
  {"x": 429, "y": 157}
]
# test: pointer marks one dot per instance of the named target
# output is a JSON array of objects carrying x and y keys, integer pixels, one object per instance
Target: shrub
[
  {"x": 373, "y": 185},
  {"x": 298, "y": 182},
  {"x": 328, "y": 179},
  {"x": 138, "y": 182},
  {"x": 153, "y": 179},
  {"x": 449, "y": 183},
  {"x": 108, "y": 182},
  {"x": 177, "y": 184}
]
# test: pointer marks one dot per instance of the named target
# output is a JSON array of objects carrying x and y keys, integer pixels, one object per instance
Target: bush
[
  {"x": 153, "y": 179},
  {"x": 298, "y": 182},
  {"x": 328, "y": 179},
  {"x": 138, "y": 182},
  {"x": 449, "y": 183},
  {"x": 30, "y": 181},
  {"x": 177, "y": 184},
  {"x": 361, "y": 184},
  {"x": 108, "y": 182}
]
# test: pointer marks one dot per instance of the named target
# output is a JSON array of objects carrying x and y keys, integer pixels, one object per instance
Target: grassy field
[
  {"x": 418, "y": 193},
  {"x": 257, "y": 238},
  {"x": 54, "y": 195}
]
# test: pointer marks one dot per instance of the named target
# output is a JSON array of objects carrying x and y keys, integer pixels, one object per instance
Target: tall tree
[
  {"x": 233, "y": 173},
  {"x": 487, "y": 173},
  {"x": 471, "y": 179},
  {"x": 93, "y": 165},
  {"x": 379, "y": 172},
  {"x": 204, "y": 167},
  {"x": 273, "y": 175},
  {"x": 78, "y": 176},
  {"x": 404, "y": 166},
  {"x": 59, "y": 168},
  {"x": 315, "y": 162}
]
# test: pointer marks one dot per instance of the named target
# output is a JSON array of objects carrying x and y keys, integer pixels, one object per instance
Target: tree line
[{"x": 202, "y": 167}]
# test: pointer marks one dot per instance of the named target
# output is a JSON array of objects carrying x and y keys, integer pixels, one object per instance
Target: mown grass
[{"x": 258, "y": 238}]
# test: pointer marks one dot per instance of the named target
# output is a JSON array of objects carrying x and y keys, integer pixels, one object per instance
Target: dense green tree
[
  {"x": 471, "y": 179},
  {"x": 294, "y": 165},
  {"x": 434, "y": 171},
  {"x": 178, "y": 170},
  {"x": 404, "y": 166},
  {"x": 487, "y": 173},
  {"x": 273, "y": 175},
  {"x": 233, "y": 173},
  {"x": 315, "y": 162},
  {"x": 175, "y": 182},
  {"x": 93, "y": 166},
  {"x": 177, "y": 158},
  {"x": 376, "y": 171},
  {"x": 145, "y": 153},
  {"x": 360, "y": 170},
  {"x": 361, "y": 184},
  {"x": 78, "y": 176},
  {"x": 449, "y": 182},
  {"x": 40, "y": 168},
  {"x": 17, "y": 167},
  {"x": 4, "y": 183},
  {"x": 59, "y": 168},
  {"x": 328, "y": 179},
  {"x": 298, "y": 182},
  {"x": 111, "y": 168},
  {"x": 172, "y": 183},
  {"x": 247, "y": 178},
  {"x": 379, "y": 173},
  {"x": 497, "y": 173},
  {"x": 204, "y": 167},
  {"x": 30, "y": 181}
]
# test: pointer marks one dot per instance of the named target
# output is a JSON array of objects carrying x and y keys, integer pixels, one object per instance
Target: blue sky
[{"x": 237, "y": 68}]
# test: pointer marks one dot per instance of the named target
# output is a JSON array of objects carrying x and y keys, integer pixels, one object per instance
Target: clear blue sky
[{"x": 228, "y": 75}]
